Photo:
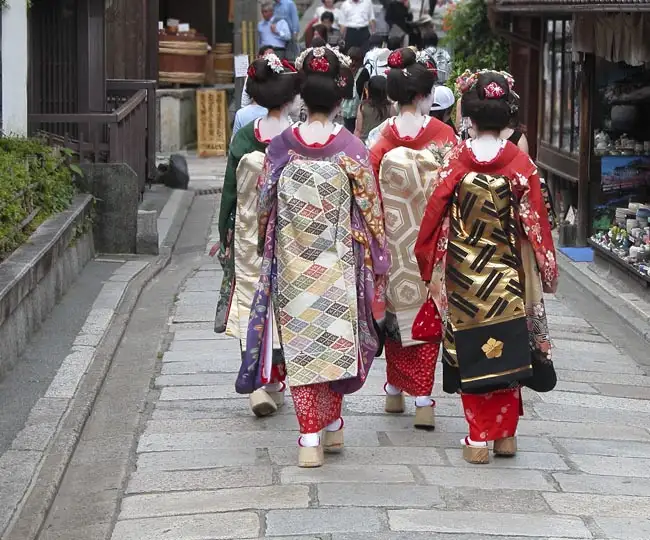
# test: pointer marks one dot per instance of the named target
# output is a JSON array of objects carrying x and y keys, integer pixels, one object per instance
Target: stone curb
[
  {"x": 607, "y": 296},
  {"x": 31, "y": 515}
]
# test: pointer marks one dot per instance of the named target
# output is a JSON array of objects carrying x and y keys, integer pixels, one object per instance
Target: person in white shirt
[
  {"x": 328, "y": 5},
  {"x": 358, "y": 22}
]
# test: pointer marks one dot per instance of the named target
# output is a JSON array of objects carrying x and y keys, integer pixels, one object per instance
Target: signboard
[{"x": 212, "y": 120}]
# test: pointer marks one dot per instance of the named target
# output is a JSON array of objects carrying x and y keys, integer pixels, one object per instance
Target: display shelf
[{"x": 624, "y": 265}]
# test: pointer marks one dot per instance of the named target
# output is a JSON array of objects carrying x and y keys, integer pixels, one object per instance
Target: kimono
[
  {"x": 244, "y": 142},
  {"x": 238, "y": 250},
  {"x": 486, "y": 239},
  {"x": 406, "y": 169},
  {"x": 321, "y": 236}
]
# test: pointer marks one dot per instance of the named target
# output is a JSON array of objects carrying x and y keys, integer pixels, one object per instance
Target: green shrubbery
[{"x": 35, "y": 181}]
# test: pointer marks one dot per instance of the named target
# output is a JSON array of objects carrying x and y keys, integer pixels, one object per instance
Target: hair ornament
[
  {"x": 319, "y": 64},
  {"x": 467, "y": 80},
  {"x": 341, "y": 81},
  {"x": 319, "y": 52},
  {"x": 493, "y": 91},
  {"x": 405, "y": 72},
  {"x": 274, "y": 62},
  {"x": 251, "y": 71},
  {"x": 395, "y": 60}
]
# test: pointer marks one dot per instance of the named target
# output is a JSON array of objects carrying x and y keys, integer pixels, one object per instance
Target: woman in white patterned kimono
[
  {"x": 273, "y": 84},
  {"x": 321, "y": 232},
  {"x": 411, "y": 138}
]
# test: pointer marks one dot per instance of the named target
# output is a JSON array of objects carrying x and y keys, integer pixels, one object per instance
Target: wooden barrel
[
  {"x": 182, "y": 59},
  {"x": 223, "y": 68},
  {"x": 222, "y": 48}
]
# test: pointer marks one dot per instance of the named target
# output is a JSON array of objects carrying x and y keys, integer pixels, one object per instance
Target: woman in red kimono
[
  {"x": 410, "y": 137},
  {"x": 486, "y": 252}
]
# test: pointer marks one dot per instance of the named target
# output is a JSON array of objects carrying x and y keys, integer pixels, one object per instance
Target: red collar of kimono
[{"x": 504, "y": 158}]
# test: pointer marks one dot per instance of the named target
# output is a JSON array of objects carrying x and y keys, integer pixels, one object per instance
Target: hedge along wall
[{"x": 36, "y": 181}]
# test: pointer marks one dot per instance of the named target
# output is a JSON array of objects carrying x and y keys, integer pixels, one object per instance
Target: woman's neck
[
  {"x": 275, "y": 113},
  {"x": 317, "y": 129},
  {"x": 409, "y": 109},
  {"x": 274, "y": 123},
  {"x": 409, "y": 121},
  {"x": 486, "y": 145}
]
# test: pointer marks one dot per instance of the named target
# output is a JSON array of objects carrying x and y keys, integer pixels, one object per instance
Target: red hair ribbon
[
  {"x": 493, "y": 91},
  {"x": 289, "y": 66}
]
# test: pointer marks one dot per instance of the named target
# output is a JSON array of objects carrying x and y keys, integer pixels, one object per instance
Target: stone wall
[{"x": 37, "y": 274}]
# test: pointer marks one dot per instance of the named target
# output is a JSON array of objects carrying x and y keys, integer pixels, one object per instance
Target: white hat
[{"x": 443, "y": 98}]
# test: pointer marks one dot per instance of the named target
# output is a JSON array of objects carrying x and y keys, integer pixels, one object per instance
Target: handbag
[{"x": 427, "y": 325}]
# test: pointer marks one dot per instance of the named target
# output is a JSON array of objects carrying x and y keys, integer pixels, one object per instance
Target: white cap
[{"x": 443, "y": 98}]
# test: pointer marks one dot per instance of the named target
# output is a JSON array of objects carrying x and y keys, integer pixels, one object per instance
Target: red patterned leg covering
[
  {"x": 317, "y": 406},
  {"x": 411, "y": 369},
  {"x": 492, "y": 416}
]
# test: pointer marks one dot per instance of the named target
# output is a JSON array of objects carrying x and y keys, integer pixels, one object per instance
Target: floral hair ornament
[
  {"x": 493, "y": 91},
  {"x": 319, "y": 64},
  {"x": 422, "y": 58},
  {"x": 467, "y": 80},
  {"x": 251, "y": 71},
  {"x": 274, "y": 62},
  {"x": 395, "y": 60},
  {"x": 341, "y": 81}
]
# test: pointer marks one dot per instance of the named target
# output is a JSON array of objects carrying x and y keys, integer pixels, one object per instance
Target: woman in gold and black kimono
[{"x": 485, "y": 249}]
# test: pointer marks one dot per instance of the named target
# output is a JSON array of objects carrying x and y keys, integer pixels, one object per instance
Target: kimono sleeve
[
  {"x": 431, "y": 244},
  {"x": 366, "y": 197},
  {"x": 534, "y": 220},
  {"x": 229, "y": 194},
  {"x": 267, "y": 200}
]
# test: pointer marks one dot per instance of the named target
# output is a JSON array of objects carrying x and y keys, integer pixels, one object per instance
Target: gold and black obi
[{"x": 486, "y": 343}]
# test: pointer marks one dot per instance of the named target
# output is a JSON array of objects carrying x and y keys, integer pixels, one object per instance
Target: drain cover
[{"x": 211, "y": 191}]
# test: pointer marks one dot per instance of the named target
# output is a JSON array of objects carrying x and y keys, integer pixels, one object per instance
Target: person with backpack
[
  {"x": 406, "y": 157},
  {"x": 375, "y": 109},
  {"x": 322, "y": 239}
]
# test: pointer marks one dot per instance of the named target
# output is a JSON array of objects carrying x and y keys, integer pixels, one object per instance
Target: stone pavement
[{"x": 207, "y": 469}]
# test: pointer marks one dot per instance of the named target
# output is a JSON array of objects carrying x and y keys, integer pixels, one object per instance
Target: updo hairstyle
[
  {"x": 272, "y": 83},
  {"x": 409, "y": 78},
  {"x": 325, "y": 80},
  {"x": 488, "y": 102}
]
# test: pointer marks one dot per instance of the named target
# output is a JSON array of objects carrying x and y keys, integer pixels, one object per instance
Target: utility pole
[{"x": 245, "y": 36}]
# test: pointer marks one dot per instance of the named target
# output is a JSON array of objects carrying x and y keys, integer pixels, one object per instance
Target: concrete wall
[
  {"x": 176, "y": 122},
  {"x": 38, "y": 274},
  {"x": 14, "y": 67}
]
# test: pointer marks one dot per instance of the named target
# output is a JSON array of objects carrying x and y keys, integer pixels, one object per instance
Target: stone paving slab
[{"x": 581, "y": 471}]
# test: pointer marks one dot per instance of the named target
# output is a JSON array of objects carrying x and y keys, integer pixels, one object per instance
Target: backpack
[{"x": 376, "y": 62}]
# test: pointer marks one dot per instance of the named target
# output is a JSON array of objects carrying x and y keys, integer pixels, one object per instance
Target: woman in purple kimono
[{"x": 321, "y": 235}]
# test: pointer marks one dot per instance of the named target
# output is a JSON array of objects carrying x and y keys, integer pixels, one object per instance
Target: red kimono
[
  {"x": 412, "y": 368},
  {"x": 492, "y": 415}
]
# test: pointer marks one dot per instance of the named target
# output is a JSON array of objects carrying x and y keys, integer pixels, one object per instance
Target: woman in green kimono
[{"x": 273, "y": 84}]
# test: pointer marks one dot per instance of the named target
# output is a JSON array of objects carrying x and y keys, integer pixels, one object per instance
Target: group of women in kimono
[{"x": 332, "y": 250}]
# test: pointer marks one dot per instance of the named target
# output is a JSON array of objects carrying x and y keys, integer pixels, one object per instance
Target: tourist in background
[
  {"x": 273, "y": 30},
  {"x": 486, "y": 252},
  {"x": 443, "y": 105},
  {"x": 350, "y": 104},
  {"x": 438, "y": 55},
  {"x": 375, "y": 109},
  {"x": 357, "y": 23},
  {"x": 328, "y": 7}
]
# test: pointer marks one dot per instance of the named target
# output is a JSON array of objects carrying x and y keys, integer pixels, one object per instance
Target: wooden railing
[{"x": 126, "y": 134}]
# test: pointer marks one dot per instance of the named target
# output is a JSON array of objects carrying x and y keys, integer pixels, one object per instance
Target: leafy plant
[
  {"x": 471, "y": 39},
  {"x": 36, "y": 181}
]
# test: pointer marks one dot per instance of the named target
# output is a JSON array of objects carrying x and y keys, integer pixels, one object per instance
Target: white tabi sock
[
  {"x": 392, "y": 390},
  {"x": 310, "y": 440},
  {"x": 467, "y": 441},
  {"x": 423, "y": 401},
  {"x": 274, "y": 387},
  {"x": 335, "y": 426}
]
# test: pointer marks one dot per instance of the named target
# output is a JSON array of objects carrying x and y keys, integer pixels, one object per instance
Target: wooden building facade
[{"x": 570, "y": 86}]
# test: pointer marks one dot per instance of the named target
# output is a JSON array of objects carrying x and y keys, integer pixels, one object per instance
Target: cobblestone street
[{"x": 207, "y": 469}]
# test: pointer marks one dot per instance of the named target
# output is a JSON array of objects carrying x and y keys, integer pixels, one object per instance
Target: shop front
[{"x": 593, "y": 112}]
